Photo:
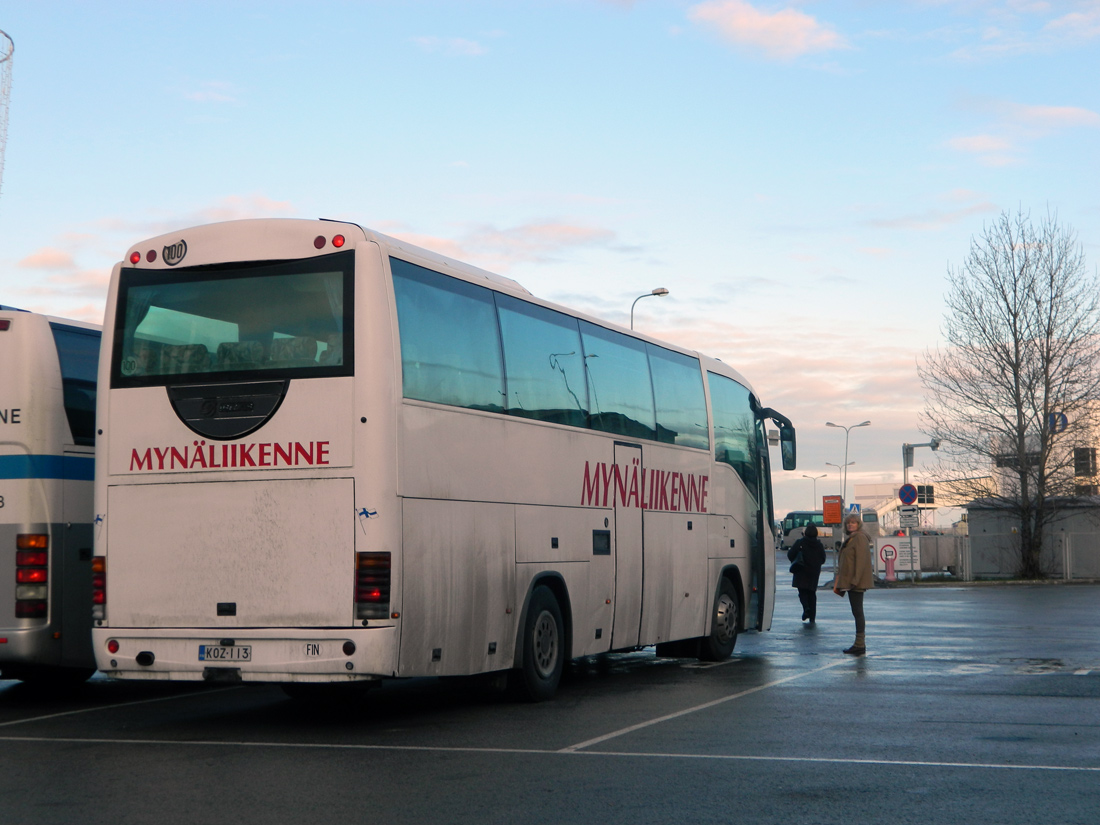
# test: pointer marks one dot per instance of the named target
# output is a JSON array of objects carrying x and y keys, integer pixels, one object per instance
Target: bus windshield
[{"x": 278, "y": 320}]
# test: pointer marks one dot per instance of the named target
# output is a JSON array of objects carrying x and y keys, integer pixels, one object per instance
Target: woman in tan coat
[{"x": 854, "y": 577}]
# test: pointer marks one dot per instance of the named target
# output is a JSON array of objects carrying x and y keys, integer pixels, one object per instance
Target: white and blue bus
[
  {"x": 327, "y": 455},
  {"x": 48, "y": 370}
]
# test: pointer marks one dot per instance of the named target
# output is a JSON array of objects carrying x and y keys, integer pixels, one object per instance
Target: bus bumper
[
  {"x": 29, "y": 646},
  {"x": 248, "y": 654}
]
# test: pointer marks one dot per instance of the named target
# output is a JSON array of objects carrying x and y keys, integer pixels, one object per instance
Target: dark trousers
[
  {"x": 855, "y": 598},
  {"x": 808, "y": 597}
]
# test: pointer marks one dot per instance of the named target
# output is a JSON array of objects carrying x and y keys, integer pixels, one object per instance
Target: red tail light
[
  {"x": 32, "y": 562},
  {"x": 99, "y": 588},
  {"x": 372, "y": 585}
]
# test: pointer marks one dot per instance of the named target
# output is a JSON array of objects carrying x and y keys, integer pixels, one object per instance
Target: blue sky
[{"x": 799, "y": 175}]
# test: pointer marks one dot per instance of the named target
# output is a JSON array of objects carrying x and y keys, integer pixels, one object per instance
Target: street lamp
[
  {"x": 847, "y": 429},
  {"x": 659, "y": 292},
  {"x": 814, "y": 480},
  {"x": 839, "y": 470}
]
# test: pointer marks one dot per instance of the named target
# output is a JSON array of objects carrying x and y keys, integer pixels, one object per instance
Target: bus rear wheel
[
  {"x": 719, "y": 645},
  {"x": 543, "y": 646}
]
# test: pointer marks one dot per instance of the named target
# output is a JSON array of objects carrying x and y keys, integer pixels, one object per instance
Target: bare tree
[{"x": 1014, "y": 390}]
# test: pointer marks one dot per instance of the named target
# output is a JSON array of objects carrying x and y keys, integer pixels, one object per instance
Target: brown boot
[{"x": 859, "y": 647}]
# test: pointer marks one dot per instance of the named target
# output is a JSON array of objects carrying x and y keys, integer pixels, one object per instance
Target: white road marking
[
  {"x": 112, "y": 707},
  {"x": 623, "y": 731},
  {"x": 71, "y": 740}
]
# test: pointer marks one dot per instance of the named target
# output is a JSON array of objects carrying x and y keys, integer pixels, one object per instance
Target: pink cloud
[
  {"x": 980, "y": 144},
  {"x": 236, "y": 207},
  {"x": 88, "y": 283},
  {"x": 990, "y": 150},
  {"x": 782, "y": 35},
  {"x": 1052, "y": 118},
  {"x": 1078, "y": 25},
  {"x": 213, "y": 91},
  {"x": 451, "y": 46},
  {"x": 47, "y": 258},
  {"x": 933, "y": 219},
  {"x": 500, "y": 249}
]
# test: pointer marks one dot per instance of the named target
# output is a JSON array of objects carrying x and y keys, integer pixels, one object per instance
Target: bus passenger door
[{"x": 628, "y": 551}]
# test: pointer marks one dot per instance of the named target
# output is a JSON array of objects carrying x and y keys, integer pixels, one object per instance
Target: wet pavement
[{"x": 974, "y": 704}]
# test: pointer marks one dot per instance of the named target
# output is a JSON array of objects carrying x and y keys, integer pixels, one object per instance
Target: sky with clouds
[{"x": 799, "y": 175}]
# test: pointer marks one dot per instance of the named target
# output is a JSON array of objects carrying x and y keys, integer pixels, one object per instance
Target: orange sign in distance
[{"x": 834, "y": 510}]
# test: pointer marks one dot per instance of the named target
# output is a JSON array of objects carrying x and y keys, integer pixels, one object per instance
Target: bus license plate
[{"x": 224, "y": 653}]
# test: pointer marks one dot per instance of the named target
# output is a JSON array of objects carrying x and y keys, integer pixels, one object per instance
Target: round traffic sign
[
  {"x": 888, "y": 552},
  {"x": 908, "y": 494}
]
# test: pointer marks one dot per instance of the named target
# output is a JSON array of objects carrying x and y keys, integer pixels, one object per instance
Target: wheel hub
[{"x": 546, "y": 644}]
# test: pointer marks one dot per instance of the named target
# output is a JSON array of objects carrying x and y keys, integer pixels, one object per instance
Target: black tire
[
  {"x": 718, "y": 646},
  {"x": 543, "y": 643}
]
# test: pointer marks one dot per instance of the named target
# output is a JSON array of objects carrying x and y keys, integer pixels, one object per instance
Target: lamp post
[
  {"x": 847, "y": 430},
  {"x": 659, "y": 292},
  {"x": 814, "y": 480},
  {"x": 839, "y": 470}
]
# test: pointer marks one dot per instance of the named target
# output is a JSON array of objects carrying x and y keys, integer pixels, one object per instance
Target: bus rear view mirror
[
  {"x": 787, "y": 447},
  {"x": 786, "y": 436}
]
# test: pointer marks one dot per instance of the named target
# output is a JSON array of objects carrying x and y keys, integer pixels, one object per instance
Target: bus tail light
[
  {"x": 99, "y": 588},
  {"x": 372, "y": 585},
  {"x": 32, "y": 561}
]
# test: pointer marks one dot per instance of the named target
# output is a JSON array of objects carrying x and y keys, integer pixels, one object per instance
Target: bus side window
[
  {"x": 78, "y": 353},
  {"x": 450, "y": 346},
  {"x": 543, "y": 363},
  {"x": 620, "y": 394},
  {"x": 735, "y": 440},
  {"x": 681, "y": 405}
]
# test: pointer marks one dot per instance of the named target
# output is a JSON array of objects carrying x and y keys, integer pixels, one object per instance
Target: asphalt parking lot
[{"x": 974, "y": 704}]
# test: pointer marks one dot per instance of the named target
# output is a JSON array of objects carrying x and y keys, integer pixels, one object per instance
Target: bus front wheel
[
  {"x": 543, "y": 646},
  {"x": 718, "y": 646}
]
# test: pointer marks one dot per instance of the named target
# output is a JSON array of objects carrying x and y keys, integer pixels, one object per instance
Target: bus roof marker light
[
  {"x": 338, "y": 241},
  {"x": 151, "y": 255},
  {"x": 135, "y": 257},
  {"x": 319, "y": 242},
  {"x": 5, "y": 324}
]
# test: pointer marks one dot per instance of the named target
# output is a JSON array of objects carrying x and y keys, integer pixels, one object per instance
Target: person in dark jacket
[{"x": 807, "y": 555}]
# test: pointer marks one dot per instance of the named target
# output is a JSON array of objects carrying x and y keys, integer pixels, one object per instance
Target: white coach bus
[
  {"x": 47, "y": 434},
  {"x": 327, "y": 455}
]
